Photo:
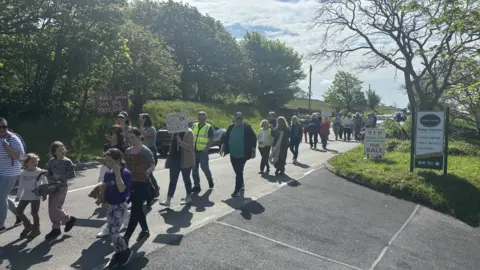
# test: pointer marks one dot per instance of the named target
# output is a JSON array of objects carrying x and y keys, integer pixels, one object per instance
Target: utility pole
[{"x": 310, "y": 91}]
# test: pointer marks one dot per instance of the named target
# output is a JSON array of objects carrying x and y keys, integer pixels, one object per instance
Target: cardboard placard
[
  {"x": 176, "y": 122},
  {"x": 137, "y": 164},
  {"x": 112, "y": 102}
]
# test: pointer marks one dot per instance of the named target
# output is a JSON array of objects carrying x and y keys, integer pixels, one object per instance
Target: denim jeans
[
  {"x": 294, "y": 148},
  {"x": 174, "y": 174},
  {"x": 6, "y": 185},
  {"x": 201, "y": 160}
]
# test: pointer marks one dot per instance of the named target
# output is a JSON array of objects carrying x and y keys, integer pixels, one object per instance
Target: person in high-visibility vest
[{"x": 203, "y": 137}]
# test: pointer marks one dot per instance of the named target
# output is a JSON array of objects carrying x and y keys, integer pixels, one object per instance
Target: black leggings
[
  {"x": 265, "y": 153},
  {"x": 313, "y": 138},
  {"x": 138, "y": 195}
]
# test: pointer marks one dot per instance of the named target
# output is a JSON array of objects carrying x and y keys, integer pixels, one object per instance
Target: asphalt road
[{"x": 79, "y": 249}]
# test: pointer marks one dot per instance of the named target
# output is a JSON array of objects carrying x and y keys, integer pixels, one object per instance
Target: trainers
[
  {"x": 34, "y": 233},
  {"x": 124, "y": 257},
  {"x": 211, "y": 185},
  {"x": 186, "y": 200},
  {"x": 114, "y": 260},
  {"x": 103, "y": 233},
  {"x": 25, "y": 232},
  {"x": 53, "y": 234},
  {"x": 166, "y": 202},
  {"x": 70, "y": 223},
  {"x": 143, "y": 235}
]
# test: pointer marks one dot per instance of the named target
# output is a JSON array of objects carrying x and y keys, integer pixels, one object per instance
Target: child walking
[
  {"x": 60, "y": 169},
  {"x": 30, "y": 178},
  {"x": 117, "y": 183}
]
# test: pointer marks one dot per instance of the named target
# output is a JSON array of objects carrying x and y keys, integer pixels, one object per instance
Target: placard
[
  {"x": 326, "y": 113},
  {"x": 429, "y": 140},
  {"x": 112, "y": 102},
  {"x": 137, "y": 164},
  {"x": 374, "y": 142},
  {"x": 176, "y": 122}
]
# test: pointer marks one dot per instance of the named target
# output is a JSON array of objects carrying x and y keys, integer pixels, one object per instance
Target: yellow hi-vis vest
[{"x": 201, "y": 136}]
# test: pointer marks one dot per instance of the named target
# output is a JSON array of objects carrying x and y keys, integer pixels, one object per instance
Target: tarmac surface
[{"x": 307, "y": 219}]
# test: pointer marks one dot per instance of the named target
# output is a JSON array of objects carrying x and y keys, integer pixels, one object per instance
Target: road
[{"x": 80, "y": 249}]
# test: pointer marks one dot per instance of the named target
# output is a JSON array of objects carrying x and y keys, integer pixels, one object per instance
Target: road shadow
[
  {"x": 99, "y": 212},
  {"x": 177, "y": 219},
  {"x": 319, "y": 150},
  {"x": 202, "y": 202},
  {"x": 168, "y": 239},
  {"x": 301, "y": 165},
  {"x": 21, "y": 257},
  {"x": 95, "y": 255},
  {"x": 246, "y": 206},
  {"x": 277, "y": 178},
  {"x": 90, "y": 223},
  {"x": 138, "y": 261},
  {"x": 462, "y": 197},
  {"x": 331, "y": 150}
]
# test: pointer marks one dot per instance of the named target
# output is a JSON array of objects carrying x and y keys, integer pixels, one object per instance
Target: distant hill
[{"x": 318, "y": 105}]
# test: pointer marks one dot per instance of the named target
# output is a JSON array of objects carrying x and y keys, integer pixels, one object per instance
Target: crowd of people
[{"x": 118, "y": 187}]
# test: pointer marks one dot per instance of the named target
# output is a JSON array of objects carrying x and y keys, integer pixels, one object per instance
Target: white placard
[
  {"x": 326, "y": 113},
  {"x": 374, "y": 143},
  {"x": 261, "y": 137},
  {"x": 176, "y": 122}
]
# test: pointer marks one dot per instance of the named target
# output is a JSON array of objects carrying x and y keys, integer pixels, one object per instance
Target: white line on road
[
  {"x": 384, "y": 250},
  {"x": 162, "y": 170},
  {"x": 287, "y": 245},
  {"x": 309, "y": 172}
]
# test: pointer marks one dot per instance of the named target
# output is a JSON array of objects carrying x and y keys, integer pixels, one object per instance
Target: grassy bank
[
  {"x": 84, "y": 138},
  {"x": 457, "y": 193}
]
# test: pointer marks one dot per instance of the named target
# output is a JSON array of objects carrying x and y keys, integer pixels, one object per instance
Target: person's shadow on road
[
  {"x": 94, "y": 255},
  {"x": 202, "y": 202},
  {"x": 22, "y": 258},
  {"x": 177, "y": 219},
  {"x": 246, "y": 206}
]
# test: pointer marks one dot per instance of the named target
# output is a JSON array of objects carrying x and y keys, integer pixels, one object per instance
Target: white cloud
[{"x": 296, "y": 17}]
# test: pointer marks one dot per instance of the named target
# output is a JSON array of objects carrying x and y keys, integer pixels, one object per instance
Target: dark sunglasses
[{"x": 3, "y": 127}]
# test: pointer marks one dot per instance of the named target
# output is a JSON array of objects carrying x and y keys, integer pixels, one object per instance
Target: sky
[{"x": 291, "y": 21}]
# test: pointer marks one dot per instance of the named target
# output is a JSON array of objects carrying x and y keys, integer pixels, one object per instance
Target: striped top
[
  {"x": 9, "y": 167},
  {"x": 60, "y": 170}
]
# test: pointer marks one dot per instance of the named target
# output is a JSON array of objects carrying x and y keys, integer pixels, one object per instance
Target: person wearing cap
[
  {"x": 203, "y": 136},
  {"x": 124, "y": 122},
  {"x": 240, "y": 142}
]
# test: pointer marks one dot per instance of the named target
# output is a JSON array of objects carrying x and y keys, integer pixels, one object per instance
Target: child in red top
[{"x": 324, "y": 132}]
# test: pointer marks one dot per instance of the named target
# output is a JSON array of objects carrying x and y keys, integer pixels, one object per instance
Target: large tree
[
  {"x": 346, "y": 93},
  {"x": 274, "y": 68},
  {"x": 412, "y": 36},
  {"x": 208, "y": 53}
]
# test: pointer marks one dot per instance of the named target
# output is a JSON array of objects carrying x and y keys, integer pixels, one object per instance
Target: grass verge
[
  {"x": 457, "y": 193},
  {"x": 84, "y": 138}
]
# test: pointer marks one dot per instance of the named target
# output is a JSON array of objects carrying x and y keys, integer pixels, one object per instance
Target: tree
[
  {"x": 346, "y": 93},
  {"x": 210, "y": 56},
  {"x": 465, "y": 95},
  {"x": 404, "y": 34},
  {"x": 275, "y": 70},
  {"x": 373, "y": 100}
]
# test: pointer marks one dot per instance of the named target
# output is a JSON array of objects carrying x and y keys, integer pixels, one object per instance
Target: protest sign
[
  {"x": 374, "y": 142},
  {"x": 112, "y": 102},
  {"x": 176, "y": 122},
  {"x": 137, "y": 165},
  {"x": 326, "y": 113}
]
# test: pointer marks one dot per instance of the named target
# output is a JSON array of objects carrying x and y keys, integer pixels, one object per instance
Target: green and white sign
[{"x": 429, "y": 140}]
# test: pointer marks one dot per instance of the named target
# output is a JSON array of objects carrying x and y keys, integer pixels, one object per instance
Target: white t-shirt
[{"x": 27, "y": 182}]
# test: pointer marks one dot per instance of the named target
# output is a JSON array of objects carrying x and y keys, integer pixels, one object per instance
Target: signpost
[
  {"x": 112, "y": 102},
  {"x": 430, "y": 140},
  {"x": 176, "y": 122},
  {"x": 374, "y": 142}
]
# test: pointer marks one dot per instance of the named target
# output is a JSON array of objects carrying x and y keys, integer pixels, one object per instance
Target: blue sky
[{"x": 291, "y": 22}]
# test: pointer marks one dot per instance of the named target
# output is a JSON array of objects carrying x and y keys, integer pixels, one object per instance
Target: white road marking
[
  {"x": 309, "y": 172},
  {"x": 157, "y": 171},
  {"x": 287, "y": 245},
  {"x": 384, "y": 250}
]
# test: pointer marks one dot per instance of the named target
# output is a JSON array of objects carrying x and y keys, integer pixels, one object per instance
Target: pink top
[
  {"x": 325, "y": 127},
  {"x": 26, "y": 184}
]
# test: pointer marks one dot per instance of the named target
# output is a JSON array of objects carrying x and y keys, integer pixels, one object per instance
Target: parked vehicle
[
  {"x": 163, "y": 137},
  {"x": 380, "y": 120}
]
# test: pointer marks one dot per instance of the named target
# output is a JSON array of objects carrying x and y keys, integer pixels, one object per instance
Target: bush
[
  {"x": 396, "y": 145},
  {"x": 394, "y": 130}
]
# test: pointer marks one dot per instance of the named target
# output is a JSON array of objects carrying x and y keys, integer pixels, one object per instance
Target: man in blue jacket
[{"x": 240, "y": 142}]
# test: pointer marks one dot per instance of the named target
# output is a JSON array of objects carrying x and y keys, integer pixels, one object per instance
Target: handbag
[{"x": 45, "y": 189}]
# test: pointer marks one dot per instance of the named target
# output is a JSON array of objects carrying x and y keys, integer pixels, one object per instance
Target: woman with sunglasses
[{"x": 124, "y": 123}]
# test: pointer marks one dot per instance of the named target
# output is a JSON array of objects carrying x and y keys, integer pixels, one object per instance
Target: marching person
[
  {"x": 337, "y": 125},
  {"x": 272, "y": 119},
  {"x": 295, "y": 137},
  {"x": 265, "y": 141},
  {"x": 347, "y": 128},
  {"x": 150, "y": 139},
  {"x": 281, "y": 141},
  {"x": 240, "y": 142},
  {"x": 305, "y": 124},
  {"x": 203, "y": 137},
  {"x": 313, "y": 130},
  {"x": 11, "y": 152},
  {"x": 324, "y": 132}
]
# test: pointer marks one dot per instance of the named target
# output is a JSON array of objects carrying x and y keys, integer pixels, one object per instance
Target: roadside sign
[
  {"x": 374, "y": 142},
  {"x": 429, "y": 140},
  {"x": 112, "y": 102}
]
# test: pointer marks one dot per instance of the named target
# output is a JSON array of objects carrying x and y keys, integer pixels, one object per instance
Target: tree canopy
[
  {"x": 57, "y": 56},
  {"x": 346, "y": 93}
]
